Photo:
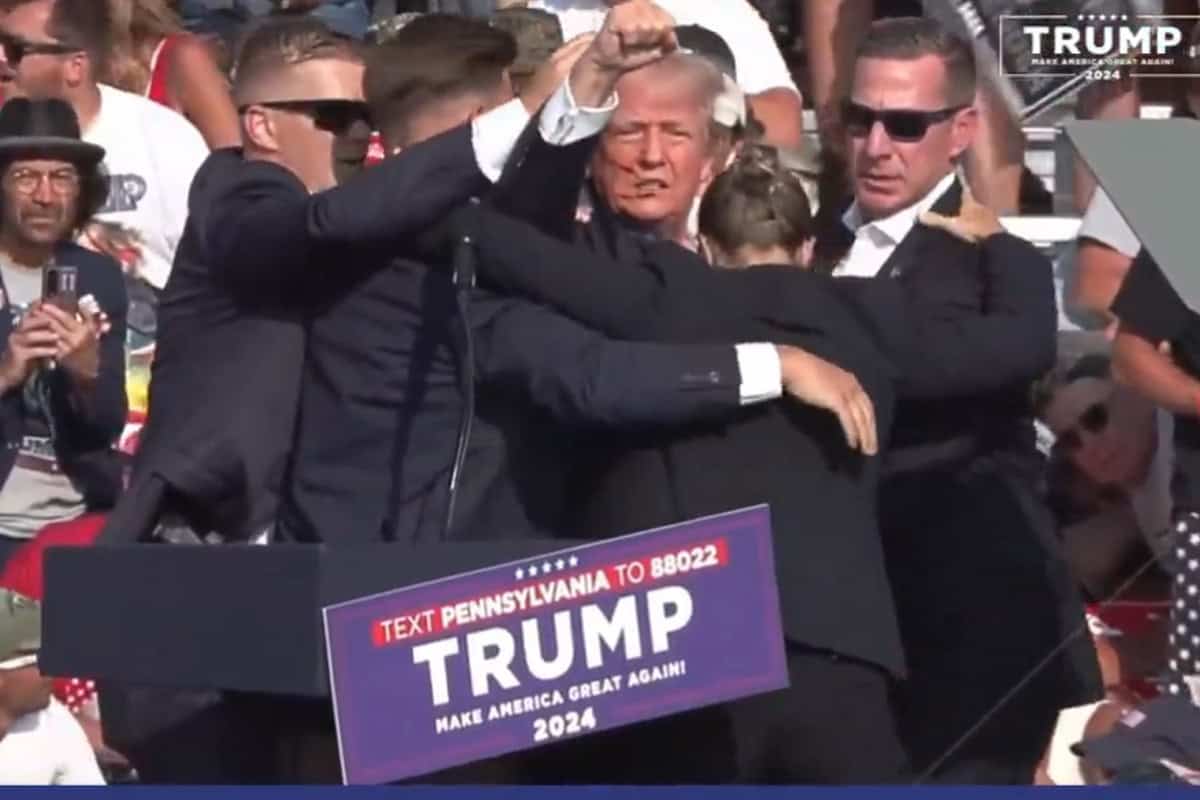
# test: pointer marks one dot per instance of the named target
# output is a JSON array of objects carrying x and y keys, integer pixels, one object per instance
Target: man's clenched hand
[{"x": 635, "y": 33}]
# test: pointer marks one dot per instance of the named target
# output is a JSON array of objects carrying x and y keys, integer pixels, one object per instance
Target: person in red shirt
[{"x": 153, "y": 55}]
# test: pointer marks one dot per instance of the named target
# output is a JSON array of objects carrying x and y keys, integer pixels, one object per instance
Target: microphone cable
[{"x": 464, "y": 282}]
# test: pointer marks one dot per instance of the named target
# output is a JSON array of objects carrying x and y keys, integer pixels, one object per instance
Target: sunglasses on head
[
  {"x": 1094, "y": 420},
  {"x": 901, "y": 124},
  {"x": 333, "y": 116},
  {"x": 16, "y": 49}
]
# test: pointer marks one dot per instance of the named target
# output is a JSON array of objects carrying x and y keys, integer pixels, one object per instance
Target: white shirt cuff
[
  {"x": 563, "y": 122},
  {"x": 495, "y": 134},
  {"x": 761, "y": 373}
]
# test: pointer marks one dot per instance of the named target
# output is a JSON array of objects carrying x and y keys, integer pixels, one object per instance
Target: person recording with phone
[{"x": 62, "y": 318}]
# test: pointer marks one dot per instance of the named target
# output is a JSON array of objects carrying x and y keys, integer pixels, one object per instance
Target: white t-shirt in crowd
[
  {"x": 48, "y": 748},
  {"x": 151, "y": 154},
  {"x": 760, "y": 65}
]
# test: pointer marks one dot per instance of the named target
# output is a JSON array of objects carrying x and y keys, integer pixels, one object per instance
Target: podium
[
  {"x": 235, "y": 617},
  {"x": 211, "y": 658}
]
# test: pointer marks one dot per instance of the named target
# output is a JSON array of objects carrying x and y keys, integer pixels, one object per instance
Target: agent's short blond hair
[{"x": 284, "y": 42}]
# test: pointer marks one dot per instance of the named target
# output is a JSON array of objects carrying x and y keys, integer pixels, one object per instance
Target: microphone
[{"x": 464, "y": 258}]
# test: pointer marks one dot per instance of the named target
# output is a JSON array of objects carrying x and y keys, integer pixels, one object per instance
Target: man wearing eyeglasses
[
  {"x": 62, "y": 393},
  {"x": 53, "y": 48}
]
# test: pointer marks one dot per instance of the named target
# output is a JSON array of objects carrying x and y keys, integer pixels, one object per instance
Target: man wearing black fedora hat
[{"x": 62, "y": 393}]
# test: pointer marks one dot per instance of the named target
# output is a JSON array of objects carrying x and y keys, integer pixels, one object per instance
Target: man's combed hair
[
  {"x": 283, "y": 42},
  {"x": 910, "y": 38},
  {"x": 86, "y": 24},
  {"x": 434, "y": 57}
]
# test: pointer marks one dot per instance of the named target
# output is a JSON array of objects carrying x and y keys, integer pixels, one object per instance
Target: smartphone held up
[{"x": 60, "y": 287}]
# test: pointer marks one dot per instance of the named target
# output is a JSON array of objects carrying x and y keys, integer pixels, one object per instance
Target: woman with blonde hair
[{"x": 153, "y": 55}]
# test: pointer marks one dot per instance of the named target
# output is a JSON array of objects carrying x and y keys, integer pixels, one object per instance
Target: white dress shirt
[
  {"x": 759, "y": 64},
  {"x": 874, "y": 242},
  {"x": 494, "y": 134}
]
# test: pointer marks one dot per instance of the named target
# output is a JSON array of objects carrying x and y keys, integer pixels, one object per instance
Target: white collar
[{"x": 898, "y": 225}]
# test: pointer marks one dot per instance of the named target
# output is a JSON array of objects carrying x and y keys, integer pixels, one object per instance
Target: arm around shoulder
[
  {"x": 952, "y": 350},
  {"x": 585, "y": 378}
]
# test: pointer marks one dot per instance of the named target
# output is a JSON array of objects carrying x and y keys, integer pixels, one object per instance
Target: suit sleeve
[
  {"x": 672, "y": 294},
  {"x": 542, "y": 182},
  {"x": 582, "y": 377},
  {"x": 946, "y": 348},
  {"x": 1148, "y": 305},
  {"x": 620, "y": 299},
  {"x": 267, "y": 225}
]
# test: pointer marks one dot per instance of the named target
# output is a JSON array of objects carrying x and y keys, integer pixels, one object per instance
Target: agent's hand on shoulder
[{"x": 974, "y": 223}]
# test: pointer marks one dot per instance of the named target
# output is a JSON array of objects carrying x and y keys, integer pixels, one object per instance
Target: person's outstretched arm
[{"x": 584, "y": 378}]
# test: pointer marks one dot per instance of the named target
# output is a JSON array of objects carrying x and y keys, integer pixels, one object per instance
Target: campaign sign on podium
[{"x": 582, "y": 640}]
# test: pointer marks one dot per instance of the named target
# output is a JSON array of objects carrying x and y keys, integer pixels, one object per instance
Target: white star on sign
[
  {"x": 560, "y": 565},
  {"x": 573, "y": 561},
  {"x": 520, "y": 574},
  {"x": 532, "y": 570},
  {"x": 545, "y": 567}
]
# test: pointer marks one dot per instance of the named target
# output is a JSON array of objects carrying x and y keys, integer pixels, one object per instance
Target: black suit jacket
[
  {"x": 969, "y": 539},
  {"x": 382, "y": 403},
  {"x": 972, "y": 325},
  {"x": 226, "y": 376},
  {"x": 834, "y": 590}
]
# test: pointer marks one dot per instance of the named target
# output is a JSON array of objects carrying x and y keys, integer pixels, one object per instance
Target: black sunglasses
[
  {"x": 333, "y": 116},
  {"x": 902, "y": 125},
  {"x": 1094, "y": 419},
  {"x": 16, "y": 49}
]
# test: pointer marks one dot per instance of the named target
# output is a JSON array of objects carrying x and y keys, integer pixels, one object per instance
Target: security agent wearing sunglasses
[
  {"x": 961, "y": 521},
  {"x": 274, "y": 229},
  {"x": 966, "y": 313}
]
